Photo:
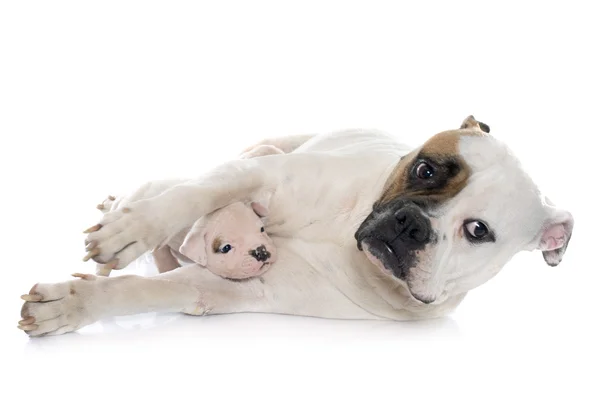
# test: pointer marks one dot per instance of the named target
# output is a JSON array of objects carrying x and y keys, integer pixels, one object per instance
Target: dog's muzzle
[{"x": 393, "y": 235}]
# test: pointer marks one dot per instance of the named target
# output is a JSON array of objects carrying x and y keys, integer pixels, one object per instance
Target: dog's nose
[
  {"x": 261, "y": 253},
  {"x": 412, "y": 226}
]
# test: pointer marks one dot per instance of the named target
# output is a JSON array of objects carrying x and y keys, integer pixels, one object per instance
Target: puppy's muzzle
[{"x": 261, "y": 253}]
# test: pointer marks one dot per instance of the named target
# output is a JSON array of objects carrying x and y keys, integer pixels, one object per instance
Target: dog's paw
[
  {"x": 125, "y": 234},
  {"x": 107, "y": 204},
  {"x": 53, "y": 309}
]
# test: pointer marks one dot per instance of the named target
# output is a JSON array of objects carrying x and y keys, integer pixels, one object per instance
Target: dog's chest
[{"x": 325, "y": 207}]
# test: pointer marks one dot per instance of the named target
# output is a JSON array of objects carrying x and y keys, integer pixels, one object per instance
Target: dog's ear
[
  {"x": 194, "y": 245},
  {"x": 260, "y": 209},
  {"x": 471, "y": 123},
  {"x": 555, "y": 234}
]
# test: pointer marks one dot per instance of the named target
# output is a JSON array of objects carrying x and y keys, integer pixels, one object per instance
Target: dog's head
[
  {"x": 231, "y": 242},
  {"x": 455, "y": 211}
]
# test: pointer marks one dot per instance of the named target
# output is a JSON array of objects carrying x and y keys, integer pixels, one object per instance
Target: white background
[{"x": 97, "y": 97}]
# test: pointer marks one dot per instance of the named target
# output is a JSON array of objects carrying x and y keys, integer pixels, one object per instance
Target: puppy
[{"x": 230, "y": 242}]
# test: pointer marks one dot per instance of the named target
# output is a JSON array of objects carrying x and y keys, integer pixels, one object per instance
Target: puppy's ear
[
  {"x": 471, "y": 123},
  {"x": 259, "y": 209},
  {"x": 556, "y": 234},
  {"x": 194, "y": 245}
]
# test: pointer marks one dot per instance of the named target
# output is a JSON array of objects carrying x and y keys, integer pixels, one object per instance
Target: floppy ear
[
  {"x": 259, "y": 209},
  {"x": 471, "y": 123},
  {"x": 556, "y": 234},
  {"x": 194, "y": 244}
]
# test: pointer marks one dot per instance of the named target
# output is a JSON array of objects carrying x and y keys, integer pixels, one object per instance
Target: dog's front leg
[
  {"x": 126, "y": 233},
  {"x": 57, "y": 308}
]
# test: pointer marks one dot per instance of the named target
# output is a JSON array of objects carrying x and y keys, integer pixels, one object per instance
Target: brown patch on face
[
  {"x": 441, "y": 150},
  {"x": 395, "y": 184},
  {"x": 216, "y": 244}
]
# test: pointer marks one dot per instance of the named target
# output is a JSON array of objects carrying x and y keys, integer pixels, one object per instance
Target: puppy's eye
[
  {"x": 262, "y": 229},
  {"x": 225, "y": 248},
  {"x": 424, "y": 171},
  {"x": 477, "y": 231}
]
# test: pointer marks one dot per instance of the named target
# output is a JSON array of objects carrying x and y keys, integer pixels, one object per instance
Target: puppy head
[
  {"x": 231, "y": 242},
  {"x": 455, "y": 211}
]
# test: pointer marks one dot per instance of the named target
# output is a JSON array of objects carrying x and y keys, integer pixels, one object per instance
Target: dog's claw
[
  {"x": 31, "y": 297},
  {"x": 27, "y": 321},
  {"x": 93, "y": 228},
  {"x": 90, "y": 245},
  {"x": 111, "y": 198},
  {"x": 91, "y": 254},
  {"x": 100, "y": 206},
  {"x": 28, "y": 327}
]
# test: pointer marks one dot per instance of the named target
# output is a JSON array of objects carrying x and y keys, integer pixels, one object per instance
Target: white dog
[{"x": 430, "y": 224}]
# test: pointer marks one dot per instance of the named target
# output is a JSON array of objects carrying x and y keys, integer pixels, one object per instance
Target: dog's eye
[
  {"x": 262, "y": 229},
  {"x": 477, "y": 231},
  {"x": 424, "y": 171},
  {"x": 225, "y": 248}
]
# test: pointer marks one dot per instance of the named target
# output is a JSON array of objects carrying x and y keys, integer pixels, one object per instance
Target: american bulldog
[{"x": 365, "y": 228}]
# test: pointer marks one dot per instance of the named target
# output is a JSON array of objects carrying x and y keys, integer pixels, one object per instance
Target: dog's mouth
[
  {"x": 383, "y": 255},
  {"x": 394, "y": 260}
]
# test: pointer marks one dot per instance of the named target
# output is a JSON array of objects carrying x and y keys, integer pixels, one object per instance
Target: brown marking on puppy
[
  {"x": 126, "y": 210},
  {"x": 216, "y": 244},
  {"x": 439, "y": 149}
]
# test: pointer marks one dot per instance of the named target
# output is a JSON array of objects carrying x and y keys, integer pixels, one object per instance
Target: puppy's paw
[{"x": 53, "y": 309}]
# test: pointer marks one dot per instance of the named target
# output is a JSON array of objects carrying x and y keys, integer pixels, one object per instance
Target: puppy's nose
[
  {"x": 413, "y": 227},
  {"x": 261, "y": 253}
]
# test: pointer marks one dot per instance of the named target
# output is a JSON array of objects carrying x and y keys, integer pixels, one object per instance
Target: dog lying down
[
  {"x": 365, "y": 228},
  {"x": 231, "y": 242}
]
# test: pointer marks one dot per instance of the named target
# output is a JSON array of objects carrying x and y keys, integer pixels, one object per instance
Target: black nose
[
  {"x": 261, "y": 253},
  {"x": 412, "y": 226}
]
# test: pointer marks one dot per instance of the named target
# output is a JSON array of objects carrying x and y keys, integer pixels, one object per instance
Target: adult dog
[{"x": 430, "y": 224}]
